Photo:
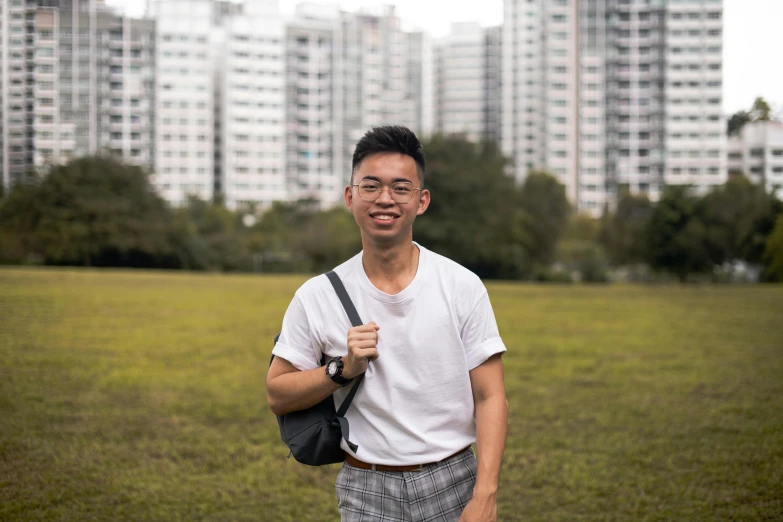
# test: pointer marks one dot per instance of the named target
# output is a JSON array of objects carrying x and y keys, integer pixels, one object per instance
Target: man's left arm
[{"x": 489, "y": 397}]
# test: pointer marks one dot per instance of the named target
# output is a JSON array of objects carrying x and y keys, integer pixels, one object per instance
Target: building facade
[
  {"x": 185, "y": 100},
  {"x": 79, "y": 81},
  {"x": 313, "y": 109},
  {"x": 467, "y": 82},
  {"x": 249, "y": 68},
  {"x": 347, "y": 72},
  {"x": 757, "y": 152},
  {"x": 614, "y": 93}
]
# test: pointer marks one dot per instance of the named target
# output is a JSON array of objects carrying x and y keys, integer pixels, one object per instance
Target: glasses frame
[{"x": 390, "y": 192}]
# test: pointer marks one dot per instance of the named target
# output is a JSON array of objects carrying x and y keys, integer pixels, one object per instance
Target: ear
[
  {"x": 424, "y": 202},
  {"x": 348, "y": 197}
]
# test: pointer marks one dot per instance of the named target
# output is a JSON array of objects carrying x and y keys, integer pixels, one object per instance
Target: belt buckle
[{"x": 419, "y": 467}]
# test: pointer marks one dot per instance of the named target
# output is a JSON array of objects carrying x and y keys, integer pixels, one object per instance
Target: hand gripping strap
[{"x": 345, "y": 299}]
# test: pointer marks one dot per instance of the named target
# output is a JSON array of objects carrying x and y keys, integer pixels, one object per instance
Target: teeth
[{"x": 384, "y": 217}]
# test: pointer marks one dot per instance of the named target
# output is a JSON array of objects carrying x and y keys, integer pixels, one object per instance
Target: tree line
[{"x": 96, "y": 211}]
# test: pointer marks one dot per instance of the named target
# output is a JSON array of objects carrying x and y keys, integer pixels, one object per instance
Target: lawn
[{"x": 140, "y": 396}]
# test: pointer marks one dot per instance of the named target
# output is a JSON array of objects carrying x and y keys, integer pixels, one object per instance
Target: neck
[{"x": 391, "y": 268}]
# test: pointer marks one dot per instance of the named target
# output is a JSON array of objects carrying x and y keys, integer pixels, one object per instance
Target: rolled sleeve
[
  {"x": 297, "y": 343},
  {"x": 480, "y": 334}
]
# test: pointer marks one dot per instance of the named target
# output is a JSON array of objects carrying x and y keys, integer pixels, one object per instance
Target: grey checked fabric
[{"x": 436, "y": 493}]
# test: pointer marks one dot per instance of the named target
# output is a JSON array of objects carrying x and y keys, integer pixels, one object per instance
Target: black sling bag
[{"x": 313, "y": 435}]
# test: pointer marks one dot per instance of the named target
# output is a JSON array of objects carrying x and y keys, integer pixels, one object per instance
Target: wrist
[
  {"x": 334, "y": 370},
  {"x": 485, "y": 491},
  {"x": 349, "y": 372}
]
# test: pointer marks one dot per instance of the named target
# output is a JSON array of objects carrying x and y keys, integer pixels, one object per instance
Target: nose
[{"x": 385, "y": 197}]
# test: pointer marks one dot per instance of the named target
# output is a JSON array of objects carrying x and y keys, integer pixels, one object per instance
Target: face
[{"x": 385, "y": 222}]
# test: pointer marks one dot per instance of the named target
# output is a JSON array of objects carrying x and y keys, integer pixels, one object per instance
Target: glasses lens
[
  {"x": 401, "y": 192},
  {"x": 369, "y": 190}
]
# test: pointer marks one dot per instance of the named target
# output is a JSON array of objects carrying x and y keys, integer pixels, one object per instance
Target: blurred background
[
  {"x": 241, "y": 117},
  {"x": 173, "y": 170}
]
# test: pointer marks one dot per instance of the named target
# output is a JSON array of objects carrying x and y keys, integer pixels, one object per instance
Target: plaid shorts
[{"x": 438, "y": 492}]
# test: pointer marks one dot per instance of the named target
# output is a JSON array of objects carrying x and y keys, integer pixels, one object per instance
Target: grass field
[{"x": 140, "y": 396}]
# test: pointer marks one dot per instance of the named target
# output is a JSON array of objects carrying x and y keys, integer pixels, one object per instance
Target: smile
[{"x": 386, "y": 218}]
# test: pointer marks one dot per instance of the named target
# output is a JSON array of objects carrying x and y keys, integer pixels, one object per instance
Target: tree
[
  {"x": 773, "y": 254},
  {"x": 214, "y": 239},
  {"x": 93, "y": 211},
  {"x": 580, "y": 251},
  {"x": 738, "y": 216},
  {"x": 622, "y": 232},
  {"x": 760, "y": 111},
  {"x": 475, "y": 215},
  {"x": 546, "y": 210},
  {"x": 737, "y": 121},
  {"x": 330, "y": 238},
  {"x": 676, "y": 237}
]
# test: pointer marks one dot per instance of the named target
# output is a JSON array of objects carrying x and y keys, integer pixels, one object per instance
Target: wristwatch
[{"x": 334, "y": 369}]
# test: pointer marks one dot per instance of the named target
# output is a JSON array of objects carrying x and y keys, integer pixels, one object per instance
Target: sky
[{"x": 752, "y": 38}]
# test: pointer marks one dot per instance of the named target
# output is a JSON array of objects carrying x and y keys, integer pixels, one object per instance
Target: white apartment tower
[
  {"x": 613, "y": 93},
  {"x": 757, "y": 152},
  {"x": 17, "y": 100},
  {"x": 345, "y": 73},
  {"x": 185, "y": 101},
  {"x": 79, "y": 81},
  {"x": 467, "y": 82},
  {"x": 695, "y": 135},
  {"x": 381, "y": 75},
  {"x": 219, "y": 111},
  {"x": 250, "y": 109},
  {"x": 313, "y": 130}
]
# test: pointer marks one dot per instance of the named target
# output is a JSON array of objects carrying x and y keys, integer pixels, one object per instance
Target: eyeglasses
[{"x": 401, "y": 191}]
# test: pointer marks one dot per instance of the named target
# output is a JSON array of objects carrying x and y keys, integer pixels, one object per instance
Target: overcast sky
[{"x": 753, "y": 37}]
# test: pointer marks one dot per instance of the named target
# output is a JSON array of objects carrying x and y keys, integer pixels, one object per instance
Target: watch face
[{"x": 331, "y": 368}]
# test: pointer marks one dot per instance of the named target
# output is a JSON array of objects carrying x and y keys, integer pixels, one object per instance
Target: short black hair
[{"x": 389, "y": 138}]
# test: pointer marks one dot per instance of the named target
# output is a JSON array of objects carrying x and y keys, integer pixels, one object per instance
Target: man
[{"x": 430, "y": 351}]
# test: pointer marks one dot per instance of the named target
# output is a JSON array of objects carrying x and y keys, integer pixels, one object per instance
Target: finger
[
  {"x": 363, "y": 344},
  {"x": 370, "y": 327},
  {"x": 362, "y": 336},
  {"x": 373, "y": 324},
  {"x": 366, "y": 352}
]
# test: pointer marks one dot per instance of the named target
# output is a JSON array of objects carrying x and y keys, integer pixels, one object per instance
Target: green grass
[{"x": 140, "y": 396}]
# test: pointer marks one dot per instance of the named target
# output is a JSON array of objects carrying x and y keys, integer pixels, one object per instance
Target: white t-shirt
[{"x": 415, "y": 404}]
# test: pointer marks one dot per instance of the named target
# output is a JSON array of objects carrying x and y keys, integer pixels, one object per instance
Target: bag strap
[{"x": 353, "y": 315}]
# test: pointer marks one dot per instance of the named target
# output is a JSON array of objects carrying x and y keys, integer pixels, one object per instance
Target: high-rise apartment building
[
  {"x": 17, "y": 100},
  {"x": 220, "y": 104},
  {"x": 380, "y": 76},
  {"x": 695, "y": 129},
  {"x": 757, "y": 152},
  {"x": 185, "y": 100},
  {"x": 313, "y": 110},
  {"x": 467, "y": 82},
  {"x": 345, "y": 73},
  {"x": 77, "y": 80},
  {"x": 249, "y": 71},
  {"x": 613, "y": 93}
]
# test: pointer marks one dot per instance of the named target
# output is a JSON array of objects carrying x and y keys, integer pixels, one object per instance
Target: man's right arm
[{"x": 290, "y": 389}]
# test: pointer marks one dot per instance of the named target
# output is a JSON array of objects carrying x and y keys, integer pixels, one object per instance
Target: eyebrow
[{"x": 397, "y": 180}]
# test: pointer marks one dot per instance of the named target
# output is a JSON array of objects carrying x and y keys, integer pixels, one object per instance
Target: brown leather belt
[{"x": 353, "y": 461}]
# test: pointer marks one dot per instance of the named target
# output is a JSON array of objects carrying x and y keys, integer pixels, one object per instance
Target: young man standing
[{"x": 430, "y": 351}]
